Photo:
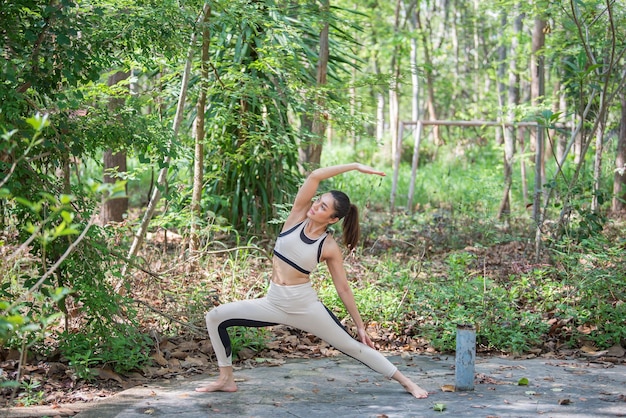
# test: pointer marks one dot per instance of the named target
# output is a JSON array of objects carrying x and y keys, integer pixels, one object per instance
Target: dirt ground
[{"x": 188, "y": 354}]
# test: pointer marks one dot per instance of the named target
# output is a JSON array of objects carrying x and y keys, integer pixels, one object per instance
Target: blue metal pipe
[{"x": 465, "y": 357}]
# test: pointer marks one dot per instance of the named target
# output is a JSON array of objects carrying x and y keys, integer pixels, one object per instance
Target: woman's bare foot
[
  {"x": 410, "y": 387},
  {"x": 218, "y": 386},
  {"x": 224, "y": 383}
]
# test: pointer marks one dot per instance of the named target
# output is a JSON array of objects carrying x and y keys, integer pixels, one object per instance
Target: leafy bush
[{"x": 58, "y": 266}]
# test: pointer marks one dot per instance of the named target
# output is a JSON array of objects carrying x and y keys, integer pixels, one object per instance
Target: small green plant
[
  {"x": 30, "y": 394},
  {"x": 123, "y": 350},
  {"x": 246, "y": 337},
  {"x": 83, "y": 365}
]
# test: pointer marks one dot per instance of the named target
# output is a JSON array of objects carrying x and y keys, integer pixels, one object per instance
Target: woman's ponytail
[
  {"x": 350, "y": 215},
  {"x": 351, "y": 228}
]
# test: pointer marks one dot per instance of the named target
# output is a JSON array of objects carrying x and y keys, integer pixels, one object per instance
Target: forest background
[{"x": 150, "y": 150}]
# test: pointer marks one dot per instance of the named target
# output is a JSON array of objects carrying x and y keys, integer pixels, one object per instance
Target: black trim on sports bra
[
  {"x": 290, "y": 230},
  {"x": 306, "y": 239},
  {"x": 319, "y": 249},
  {"x": 291, "y": 263}
]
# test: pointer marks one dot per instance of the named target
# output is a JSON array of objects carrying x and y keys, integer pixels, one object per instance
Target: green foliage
[
  {"x": 124, "y": 350},
  {"x": 252, "y": 150},
  {"x": 593, "y": 273},
  {"x": 30, "y": 395},
  {"x": 62, "y": 269},
  {"x": 510, "y": 315},
  {"x": 261, "y": 84},
  {"x": 50, "y": 49},
  {"x": 245, "y": 337}
]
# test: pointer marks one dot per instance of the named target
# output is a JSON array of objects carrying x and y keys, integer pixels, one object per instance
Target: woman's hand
[
  {"x": 365, "y": 339},
  {"x": 369, "y": 170}
]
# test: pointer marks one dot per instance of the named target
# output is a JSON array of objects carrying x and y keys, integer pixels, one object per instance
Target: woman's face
[{"x": 323, "y": 209}]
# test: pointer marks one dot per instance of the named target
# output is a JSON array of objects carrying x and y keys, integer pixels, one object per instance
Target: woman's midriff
[{"x": 285, "y": 275}]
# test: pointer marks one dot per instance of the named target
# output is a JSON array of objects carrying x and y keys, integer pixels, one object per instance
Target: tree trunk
[
  {"x": 198, "y": 162},
  {"x": 537, "y": 92},
  {"x": 311, "y": 152},
  {"x": 561, "y": 139},
  {"x": 430, "y": 80},
  {"x": 597, "y": 164},
  {"x": 618, "y": 204},
  {"x": 415, "y": 110},
  {"x": 394, "y": 117},
  {"x": 380, "y": 109},
  {"x": 501, "y": 74},
  {"x": 113, "y": 210},
  {"x": 510, "y": 131},
  {"x": 521, "y": 138}
]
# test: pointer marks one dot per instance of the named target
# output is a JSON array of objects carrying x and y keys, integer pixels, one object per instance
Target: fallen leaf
[
  {"x": 616, "y": 351},
  {"x": 523, "y": 381},
  {"x": 439, "y": 407},
  {"x": 159, "y": 359},
  {"x": 564, "y": 402},
  {"x": 595, "y": 354},
  {"x": 588, "y": 349},
  {"x": 448, "y": 388},
  {"x": 109, "y": 374}
]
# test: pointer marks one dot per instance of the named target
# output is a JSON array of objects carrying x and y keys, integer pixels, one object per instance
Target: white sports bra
[{"x": 298, "y": 250}]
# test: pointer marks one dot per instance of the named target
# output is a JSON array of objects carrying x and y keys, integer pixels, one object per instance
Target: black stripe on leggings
[
  {"x": 238, "y": 322},
  {"x": 332, "y": 315}
]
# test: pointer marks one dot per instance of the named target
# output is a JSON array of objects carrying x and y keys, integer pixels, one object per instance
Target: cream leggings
[{"x": 295, "y": 306}]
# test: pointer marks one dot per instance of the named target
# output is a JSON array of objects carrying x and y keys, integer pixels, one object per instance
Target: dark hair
[{"x": 350, "y": 215}]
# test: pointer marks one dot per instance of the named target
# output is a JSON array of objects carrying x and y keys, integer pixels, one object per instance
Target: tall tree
[
  {"x": 114, "y": 161},
  {"x": 537, "y": 87},
  {"x": 510, "y": 134},
  {"x": 415, "y": 97},
  {"x": 200, "y": 132},
  {"x": 424, "y": 31},
  {"x": 311, "y": 150},
  {"x": 618, "y": 204},
  {"x": 394, "y": 104}
]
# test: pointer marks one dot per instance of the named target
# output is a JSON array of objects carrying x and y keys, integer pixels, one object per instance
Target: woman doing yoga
[{"x": 291, "y": 300}]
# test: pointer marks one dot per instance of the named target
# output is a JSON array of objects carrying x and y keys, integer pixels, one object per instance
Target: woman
[{"x": 291, "y": 300}]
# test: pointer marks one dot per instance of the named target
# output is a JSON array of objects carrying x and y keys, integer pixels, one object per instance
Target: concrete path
[{"x": 342, "y": 387}]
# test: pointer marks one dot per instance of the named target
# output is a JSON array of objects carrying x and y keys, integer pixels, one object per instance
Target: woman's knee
[{"x": 212, "y": 317}]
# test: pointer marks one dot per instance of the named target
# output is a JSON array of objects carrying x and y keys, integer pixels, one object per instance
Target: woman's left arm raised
[{"x": 334, "y": 261}]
